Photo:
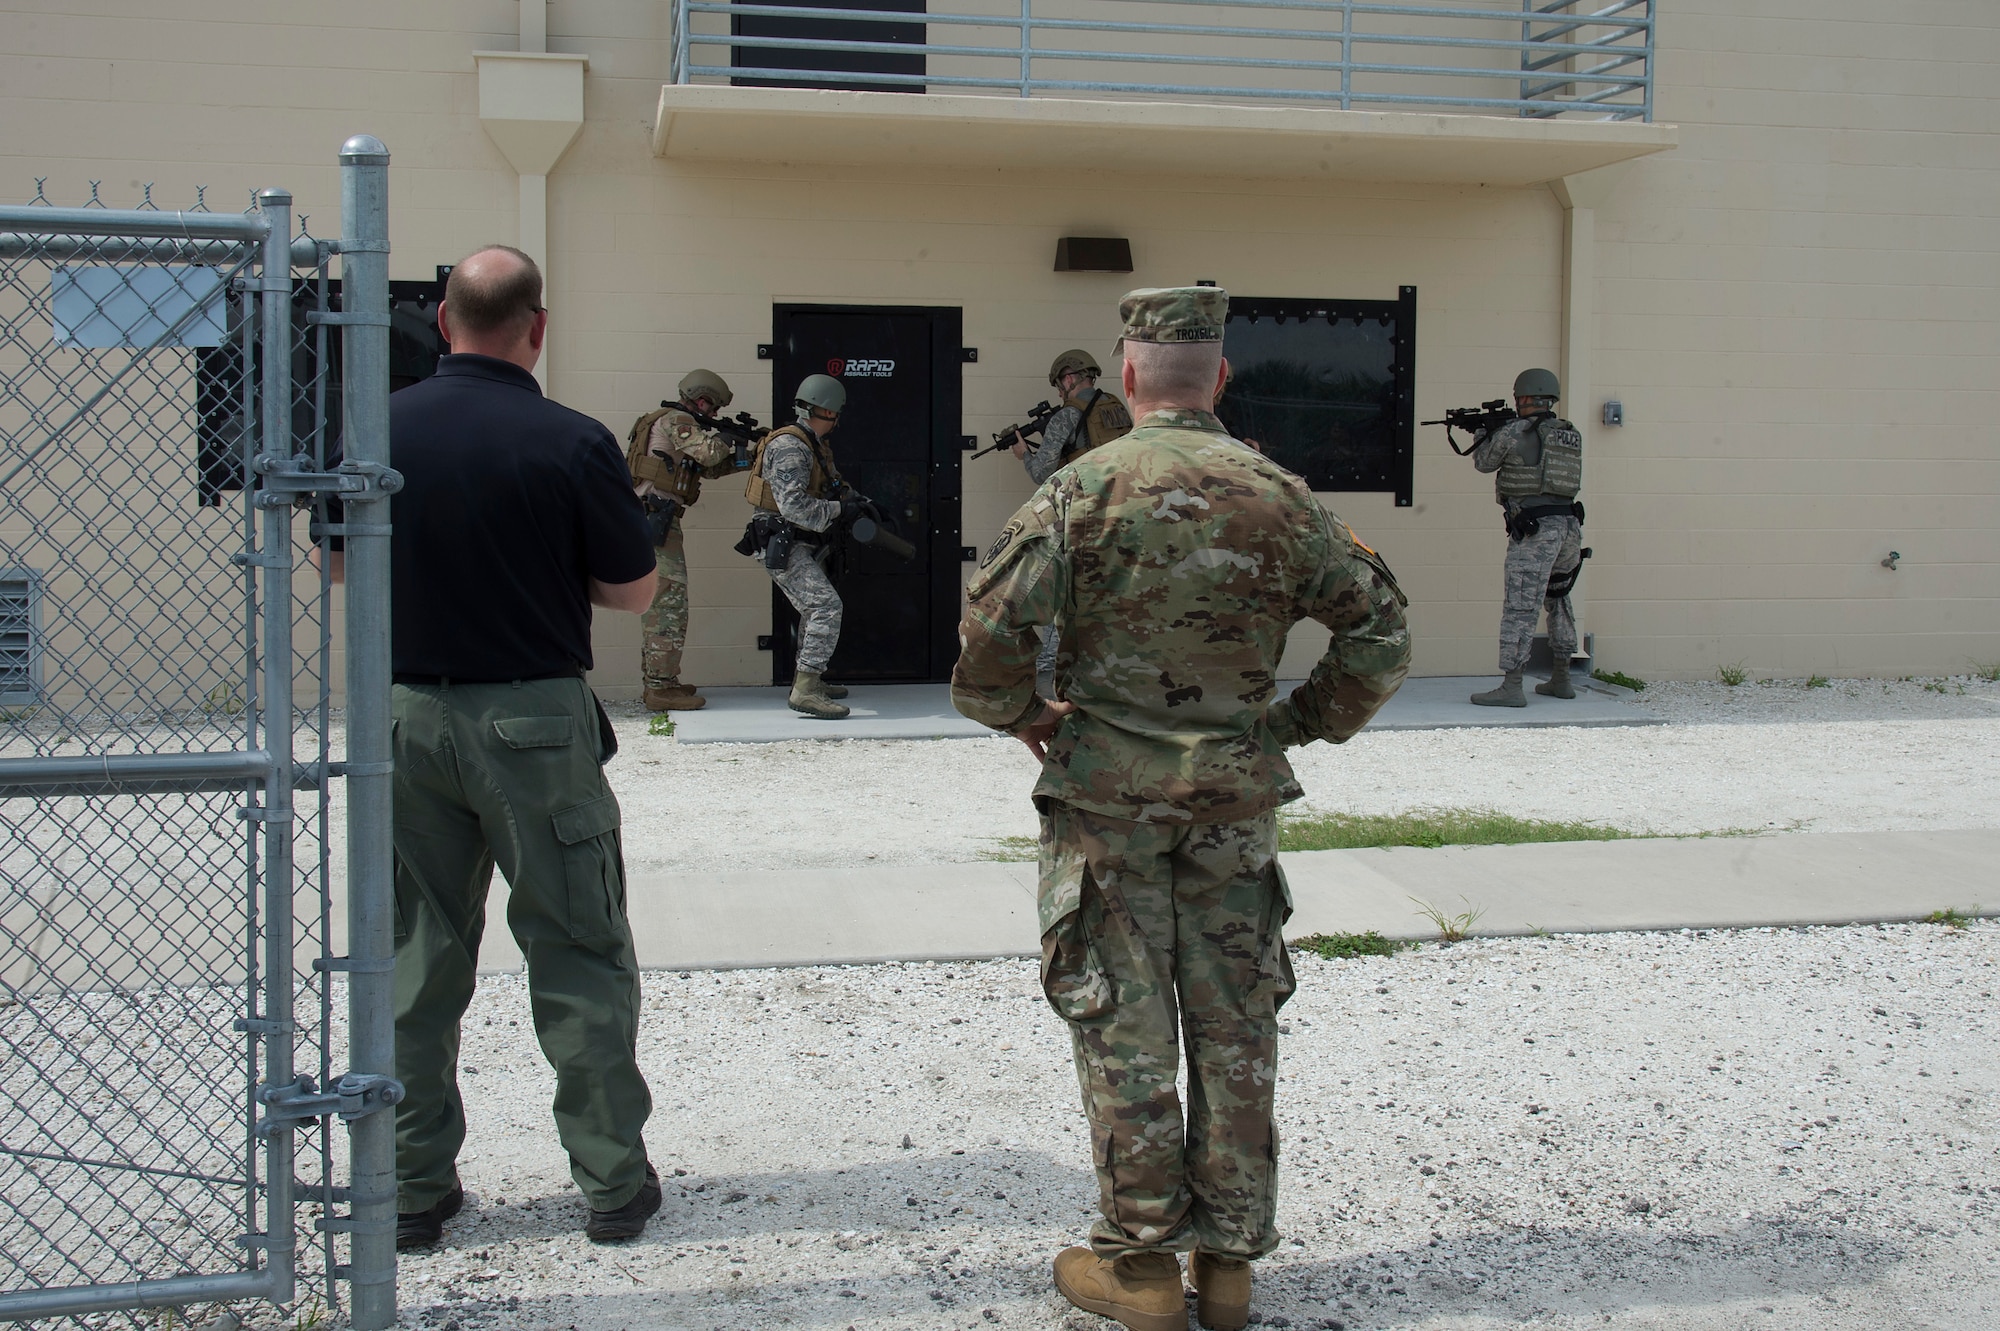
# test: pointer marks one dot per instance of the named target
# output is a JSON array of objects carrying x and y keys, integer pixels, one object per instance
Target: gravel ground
[
  {"x": 1858, "y": 755},
  {"x": 1703, "y": 1130}
]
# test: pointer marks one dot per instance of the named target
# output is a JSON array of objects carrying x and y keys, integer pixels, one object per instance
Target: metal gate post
[
  {"x": 364, "y": 289},
  {"x": 274, "y": 415}
]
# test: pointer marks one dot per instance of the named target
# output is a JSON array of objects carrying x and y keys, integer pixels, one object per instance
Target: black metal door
[{"x": 898, "y": 442}]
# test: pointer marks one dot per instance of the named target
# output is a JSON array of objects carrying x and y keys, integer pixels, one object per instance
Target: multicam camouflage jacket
[{"x": 1175, "y": 560}]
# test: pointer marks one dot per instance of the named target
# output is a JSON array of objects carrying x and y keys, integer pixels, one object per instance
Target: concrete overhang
[{"x": 700, "y": 122}]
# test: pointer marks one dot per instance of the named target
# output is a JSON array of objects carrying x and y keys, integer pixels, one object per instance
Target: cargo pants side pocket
[
  {"x": 1276, "y": 980},
  {"x": 1072, "y": 977},
  {"x": 593, "y": 872}
]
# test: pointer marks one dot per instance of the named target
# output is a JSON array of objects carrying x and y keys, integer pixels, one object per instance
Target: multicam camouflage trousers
[
  {"x": 665, "y": 625},
  {"x": 1154, "y": 934},
  {"x": 1556, "y": 548},
  {"x": 806, "y": 586}
]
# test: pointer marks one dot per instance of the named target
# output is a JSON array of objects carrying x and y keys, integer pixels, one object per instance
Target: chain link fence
[{"x": 191, "y": 939}]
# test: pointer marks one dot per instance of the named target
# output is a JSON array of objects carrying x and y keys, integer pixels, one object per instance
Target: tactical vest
[
  {"x": 1104, "y": 419},
  {"x": 671, "y": 476},
  {"x": 1555, "y": 469},
  {"x": 819, "y": 484}
]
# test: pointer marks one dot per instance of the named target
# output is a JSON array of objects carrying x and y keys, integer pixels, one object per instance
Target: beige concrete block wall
[{"x": 1795, "y": 306}]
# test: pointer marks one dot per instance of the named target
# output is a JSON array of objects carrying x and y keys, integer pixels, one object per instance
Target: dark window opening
[
  {"x": 826, "y": 64},
  {"x": 414, "y": 348},
  {"x": 1327, "y": 388}
]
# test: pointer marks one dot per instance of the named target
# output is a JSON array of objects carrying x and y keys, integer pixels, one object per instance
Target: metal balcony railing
[{"x": 1534, "y": 58}]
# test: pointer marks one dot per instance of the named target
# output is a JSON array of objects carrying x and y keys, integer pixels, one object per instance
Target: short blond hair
[{"x": 1174, "y": 371}]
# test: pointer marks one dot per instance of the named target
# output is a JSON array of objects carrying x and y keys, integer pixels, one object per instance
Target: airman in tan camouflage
[
  {"x": 669, "y": 452},
  {"x": 1175, "y": 561}
]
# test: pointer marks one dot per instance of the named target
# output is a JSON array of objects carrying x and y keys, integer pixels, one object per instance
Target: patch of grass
[
  {"x": 1732, "y": 675},
  {"x": 225, "y": 699},
  {"x": 312, "y": 1316},
  {"x": 1013, "y": 850},
  {"x": 1950, "y": 917},
  {"x": 1620, "y": 678},
  {"x": 1431, "y": 827},
  {"x": 1987, "y": 670},
  {"x": 1451, "y": 928},
  {"x": 661, "y": 724},
  {"x": 1819, "y": 682},
  {"x": 1338, "y": 947}
]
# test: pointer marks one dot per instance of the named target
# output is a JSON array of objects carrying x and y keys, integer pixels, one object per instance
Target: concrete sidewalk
[
  {"x": 924, "y": 711},
  {"x": 960, "y": 911}
]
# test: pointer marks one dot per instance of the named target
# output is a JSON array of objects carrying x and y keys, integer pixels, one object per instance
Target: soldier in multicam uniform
[
  {"x": 1088, "y": 418},
  {"x": 1179, "y": 559},
  {"x": 793, "y": 479},
  {"x": 668, "y": 453},
  {"x": 1539, "y": 458}
]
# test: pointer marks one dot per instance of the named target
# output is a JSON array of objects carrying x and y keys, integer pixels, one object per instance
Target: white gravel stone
[
  {"x": 1859, "y": 755},
  {"x": 1699, "y": 1130}
]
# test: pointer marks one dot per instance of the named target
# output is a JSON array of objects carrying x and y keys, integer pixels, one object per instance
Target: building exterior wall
[{"x": 1795, "y": 306}]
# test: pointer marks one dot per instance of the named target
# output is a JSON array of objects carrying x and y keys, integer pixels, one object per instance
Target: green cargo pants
[
  {"x": 1155, "y": 936},
  {"x": 509, "y": 773}
]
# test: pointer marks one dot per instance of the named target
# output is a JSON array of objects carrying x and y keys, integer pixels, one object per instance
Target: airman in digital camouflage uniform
[
  {"x": 669, "y": 452},
  {"x": 793, "y": 478},
  {"x": 1179, "y": 558},
  {"x": 1538, "y": 458},
  {"x": 1088, "y": 418}
]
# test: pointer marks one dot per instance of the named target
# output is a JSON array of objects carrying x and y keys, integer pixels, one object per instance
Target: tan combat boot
[
  {"x": 809, "y": 696},
  {"x": 1141, "y": 1291},
  {"x": 1222, "y": 1290},
  {"x": 674, "y": 698},
  {"x": 1507, "y": 695},
  {"x": 1558, "y": 685},
  {"x": 833, "y": 690}
]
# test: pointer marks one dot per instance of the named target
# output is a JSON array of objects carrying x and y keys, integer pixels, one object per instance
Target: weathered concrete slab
[
  {"x": 924, "y": 711},
  {"x": 953, "y": 912}
]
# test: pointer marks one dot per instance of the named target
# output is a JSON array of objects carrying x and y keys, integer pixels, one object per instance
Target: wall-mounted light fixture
[{"x": 1093, "y": 254}]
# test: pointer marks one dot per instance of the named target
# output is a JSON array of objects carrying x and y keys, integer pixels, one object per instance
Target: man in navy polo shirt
[{"x": 516, "y": 516}]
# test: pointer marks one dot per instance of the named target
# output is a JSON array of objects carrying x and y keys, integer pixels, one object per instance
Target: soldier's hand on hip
[{"x": 1037, "y": 733}]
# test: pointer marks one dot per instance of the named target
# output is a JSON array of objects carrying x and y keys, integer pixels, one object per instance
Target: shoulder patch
[
  {"x": 1029, "y": 527},
  {"x": 1000, "y": 544}
]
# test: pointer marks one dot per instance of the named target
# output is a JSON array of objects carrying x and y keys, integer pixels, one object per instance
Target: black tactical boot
[
  {"x": 1507, "y": 695},
  {"x": 422, "y": 1229},
  {"x": 1558, "y": 685},
  {"x": 627, "y": 1221}
]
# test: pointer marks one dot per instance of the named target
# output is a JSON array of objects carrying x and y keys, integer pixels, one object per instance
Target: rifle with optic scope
[
  {"x": 1038, "y": 420},
  {"x": 1487, "y": 416}
]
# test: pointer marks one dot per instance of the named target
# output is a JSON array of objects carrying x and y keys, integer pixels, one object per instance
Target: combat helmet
[
  {"x": 708, "y": 384},
  {"x": 1073, "y": 361},
  {"x": 1537, "y": 383},
  {"x": 822, "y": 391}
]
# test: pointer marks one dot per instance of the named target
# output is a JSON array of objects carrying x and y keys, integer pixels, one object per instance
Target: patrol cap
[
  {"x": 1173, "y": 314},
  {"x": 708, "y": 384}
]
